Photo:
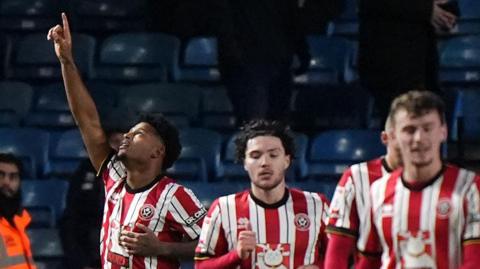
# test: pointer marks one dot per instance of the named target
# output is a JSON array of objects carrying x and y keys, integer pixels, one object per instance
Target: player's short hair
[
  {"x": 263, "y": 127},
  {"x": 12, "y": 159},
  {"x": 417, "y": 103},
  {"x": 168, "y": 134}
]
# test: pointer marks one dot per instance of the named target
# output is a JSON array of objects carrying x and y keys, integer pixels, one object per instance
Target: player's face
[
  {"x": 115, "y": 140},
  {"x": 419, "y": 138},
  {"x": 140, "y": 143},
  {"x": 9, "y": 179},
  {"x": 266, "y": 161}
]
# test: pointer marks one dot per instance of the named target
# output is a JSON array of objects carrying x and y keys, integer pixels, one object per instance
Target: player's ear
[{"x": 287, "y": 161}]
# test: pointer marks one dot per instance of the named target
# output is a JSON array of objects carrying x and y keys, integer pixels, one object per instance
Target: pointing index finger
[{"x": 66, "y": 27}]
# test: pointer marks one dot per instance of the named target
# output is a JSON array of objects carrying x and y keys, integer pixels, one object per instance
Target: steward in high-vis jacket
[{"x": 15, "y": 250}]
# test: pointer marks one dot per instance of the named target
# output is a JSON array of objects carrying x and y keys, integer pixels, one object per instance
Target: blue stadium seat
[
  {"x": 328, "y": 63},
  {"x": 31, "y": 145},
  {"x": 200, "y": 60},
  {"x": 333, "y": 151},
  {"x": 466, "y": 116},
  {"x": 326, "y": 186},
  {"x": 100, "y": 16},
  {"x": 15, "y": 102},
  {"x": 470, "y": 9},
  {"x": 208, "y": 192},
  {"x": 178, "y": 102},
  {"x": 217, "y": 110},
  {"x": 351, "y": 10},
  {"x": 50, "y": 194},
  {"x": 200, "y": 152},
  {"x": 28, "y": 15},
  {"x": 351, "y": 112},
  {"x": 138, "y": 57},
  {"x": 66, "y": 151},
  {"x": 35, "y": 57},
  {"x": 342, "y": 28},
  {"x": 50, "y": 108},
  {"x": 45, "y": 244},
  {"x": 460, "y": 61}
]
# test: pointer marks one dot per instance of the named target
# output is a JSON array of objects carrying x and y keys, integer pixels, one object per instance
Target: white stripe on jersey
[
  {"x": 429, "y": 211},
  {"x": 162, "y": 206},
  {"x": 314, "y": 208},
  {"x": 378, "y": 188},
  {"x": 361, "y": 185},
  {"x": 228, "y": 219},
  {"x": 181, "y": 215}
]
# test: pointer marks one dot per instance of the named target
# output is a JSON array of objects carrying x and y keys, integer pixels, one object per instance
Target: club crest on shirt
[
  {"x": 302, "y": 221},
  {"x": 272, "y": 256},
  {"x": 146, "y": 212},
  {"x": 444, "y": 208}
]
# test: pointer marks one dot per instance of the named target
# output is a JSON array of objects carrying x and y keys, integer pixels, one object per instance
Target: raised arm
[{"x": 81, "y": 103}]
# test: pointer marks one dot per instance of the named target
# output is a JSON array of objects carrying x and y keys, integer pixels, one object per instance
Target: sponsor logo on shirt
[{"x": 196, "y": 217}]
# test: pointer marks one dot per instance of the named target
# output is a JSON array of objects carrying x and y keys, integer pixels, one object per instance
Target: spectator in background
[
  {"x": 348, "y": 222},
  {"x": 15, "y": 252},
  {"x": 398, "y": 48},
  {"x": 269, "y": 225},
  {"x": 82, "y": 220},
  {"x": 256, "y": 45}
]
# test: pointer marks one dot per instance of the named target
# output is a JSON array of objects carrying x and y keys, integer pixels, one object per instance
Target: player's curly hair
[
  {"x": 261, "y": 127},
  {"x": 168, "y": 133}
]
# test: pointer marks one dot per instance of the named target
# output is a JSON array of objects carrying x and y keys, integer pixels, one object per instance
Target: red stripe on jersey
[
  {"x": 414, "y": 210},
  {"x": 374, "y": 169},
  {"x": 273, "y": 235},
  {"x": 388, "y": 200},
  {"x": 300, "y": 207},
  {"x": 442, "y": 224}
]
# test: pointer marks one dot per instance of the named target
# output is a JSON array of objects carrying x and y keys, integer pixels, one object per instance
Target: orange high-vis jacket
[{"x": 15, "y": 250}]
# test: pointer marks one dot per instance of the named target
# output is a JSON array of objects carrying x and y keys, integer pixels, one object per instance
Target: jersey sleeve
[
  {"x": 212, "y": 249},
  {"x": 111, "y": 171},
  {"x": 186, "y": 213},
  {"x": 471, "y": 233},
  {"x": 343, "y": 217}
]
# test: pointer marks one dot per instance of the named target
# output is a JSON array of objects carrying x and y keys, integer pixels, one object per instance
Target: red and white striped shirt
[
  {"x": 168, "y": 209},
  {"x": 289, "y": 233},
  {"x": 425, "y": 226},
  {"x": 350, "y": 206}
]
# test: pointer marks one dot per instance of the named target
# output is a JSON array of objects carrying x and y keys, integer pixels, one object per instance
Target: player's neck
[
  {"x": 421, "y": 174},
  {"x": 392, "y": 163},
  {"x": 269, "y": 196},
  {"x": 141, "y": 176}
]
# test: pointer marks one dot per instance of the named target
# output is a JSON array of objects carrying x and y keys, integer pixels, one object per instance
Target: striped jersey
[
  {"x": 168, "y": 209},
  {"x": 425, "y": 226},
  {"x": 289, "y": 233},
  {"x": 350, "y": 206}
]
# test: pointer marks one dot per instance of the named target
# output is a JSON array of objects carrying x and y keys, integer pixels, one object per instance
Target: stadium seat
[
  {"x": 326, "y": 186},
  {"x": 344, "y": 28},
  {"x": 217, "y": 110},
  {"x": 328, "y": 63},
  {"x": 101, "y": 16},
  {"x": 460, "y": 61},
  {"x": 470, "y": 9},
  {"x": 139, "y": 57},
  {"x": 200, "y": 152},
  {"x": 49, "y": 194},
  {"x": 15, "y": 102},
  {"x": 31, "y": 145},
  {"x": 50, "y": 108},
  {"x": 28, "y": 15},
  {"x": 35, "y": 57},
  {"x": 66, "y": 151},
  {"x": 208, "y": 192},
  {"x": 178, "y": 102},
  {"x": 333, "y": 151},
  {"x": 45, "y": 243},
  {"x": 351, "y": 112},
  {"x": 200, "y": 60}
]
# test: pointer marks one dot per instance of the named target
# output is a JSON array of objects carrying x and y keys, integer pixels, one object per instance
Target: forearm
[
  {"x": 228, "y": 260},
  {"x": 177, "y": 250},
  {"x": 339, "y": 250}
]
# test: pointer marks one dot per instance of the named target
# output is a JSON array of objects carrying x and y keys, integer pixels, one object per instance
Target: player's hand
[
  {"x": 62, "y": 40},
  {"x": 310, "y": 266},
  {"x": 246, "y": 242},
  {"x": 442, "y": 20},
  {"x": 144, "y": 244}
]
